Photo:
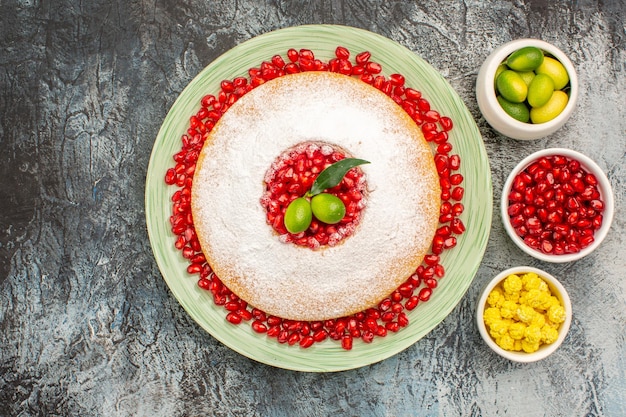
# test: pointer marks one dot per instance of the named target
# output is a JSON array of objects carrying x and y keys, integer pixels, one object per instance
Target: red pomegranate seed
[
  {"x": 457, "y": 193},
  {"x": 258, "y": 326},
  {"x": 320, "y": 335},
  {"x": 373, "y": 68},
  {"x": 392, "y": 326},
  {"x": 273, "y": 331},
  {"x": 346, "y": 342},
  {"x": 283, "y": 336},
  {"x": 425, "y": 293},
  {"x": 431, "y": 116},
  {"x": 446, "y": 123},
  {"x": 412, "y": 302},
  {"x": 367, "y": 336},
  {"x": 307, "y": 342},
  {"x": 293, "y": 339},
  {"x": 396, "y": 79},
  {"x": 363, "y": 57},
  {"x": 204, "y": 283},
  {"x": 586, "y": 241},
  {"x": 444, "y": 148},
  {"x": 233, "y": 317},
  {"x": 423, "y": 105}
]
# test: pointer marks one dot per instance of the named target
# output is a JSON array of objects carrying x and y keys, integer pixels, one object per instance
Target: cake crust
[{"x": 397, "y": 226}]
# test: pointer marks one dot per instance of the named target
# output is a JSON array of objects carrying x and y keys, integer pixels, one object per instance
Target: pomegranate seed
[
  {"x": 424, "y": 294},
  {"x": 454, "y": 162},
  {"x": 431, "y": 116},
  {"x": 446, "y": 123},
  {"x": 457, "y": 226},
  {"x": 273, "y": 331},
  {"x": 258, "y": 326},
  {"x": 423, "y": 105},
  {"x": 444, "y": 148},
  {"x": 367, "y": 336},
  {"x": 396, "y": 79},
  {"x": 233, "y": 317},
  {"x": 307, "y": 342},
  {"x": 412, "y": 302},
  {"x": 373, "y": 67},
  {"x": 392, "y": 326},
  {"x": 204, "y": 283},
  {"x": 362, "y": 58},
  {"x": 457, "y": 193},
  {"x": 431, "y": 282},
  {"x": 293, "y": 339},
  {"x": 283, "y": 336},
  {"x": 586, "y": 241},
  {"x": 320, "y": 335},
  {"x": 515, "y": 209},
  {"x": 346, "y": 342}
]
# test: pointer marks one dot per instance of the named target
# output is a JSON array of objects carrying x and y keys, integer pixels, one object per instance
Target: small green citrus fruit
[
  {"x": 328, "y": 208},
  {"x": 298, "y": 215}
]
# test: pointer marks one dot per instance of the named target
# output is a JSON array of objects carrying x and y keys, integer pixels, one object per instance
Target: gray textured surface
[{"x": 87, "y": 325}]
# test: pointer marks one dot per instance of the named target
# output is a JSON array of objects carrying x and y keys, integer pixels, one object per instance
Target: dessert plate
[{"x": 461, "y": 262}]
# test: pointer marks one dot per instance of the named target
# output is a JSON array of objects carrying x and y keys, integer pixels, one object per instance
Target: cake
[{"x": 396, "y": 226}]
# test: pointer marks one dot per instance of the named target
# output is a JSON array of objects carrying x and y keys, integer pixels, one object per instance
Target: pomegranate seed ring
[{"x": 390, "y": 315}]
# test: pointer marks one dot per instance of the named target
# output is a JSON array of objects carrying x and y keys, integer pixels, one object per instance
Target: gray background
[{"x": 87, "y": 324}]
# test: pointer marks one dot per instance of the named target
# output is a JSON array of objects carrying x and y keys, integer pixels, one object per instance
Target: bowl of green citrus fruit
[{"x": 527, "y": 89}]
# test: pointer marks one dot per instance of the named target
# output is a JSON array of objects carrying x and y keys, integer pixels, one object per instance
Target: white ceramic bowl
[
  {"x": 497, "y": 117},
  {"x": 606, "y": 195},
  {"x": 544, "y": 350}
]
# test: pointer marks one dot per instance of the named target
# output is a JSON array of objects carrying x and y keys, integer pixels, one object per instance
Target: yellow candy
[
  {"x": 512, "y": 296},
  {"x": 538, "y": 299},
  {"x": 539, "y": 320},
  {"x": 549, "y": 334},
  {"x": 499, "y": 328},
  {"x": 506, "y": 342},
  {"x": 517, "y": 330},
  {"x": 532, "y": 334},
  {"x": 525, "y": 313},
  {"x": 521, "y": 313},
  {"x": 556, "y": 314},
  {"x": 491, "y": 315},
  {"x": 529, "y": 347},
  {"x": 531, "y": 281},
  {"x": 512, "y": 284},
  {"x": 495, "y": 297},
  {"x": 553, "y": 301},
  {"x": 508, "y": 309}
]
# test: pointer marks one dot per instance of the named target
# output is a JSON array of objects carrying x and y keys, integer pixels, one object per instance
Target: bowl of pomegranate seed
[
  {"x": 527, "y": 89},
  {"x": 557, "y": 205},
  {"x": 523, "y": 314}
]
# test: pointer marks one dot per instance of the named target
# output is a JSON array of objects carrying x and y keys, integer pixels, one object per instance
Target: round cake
[{"x": 396, "y": 226}]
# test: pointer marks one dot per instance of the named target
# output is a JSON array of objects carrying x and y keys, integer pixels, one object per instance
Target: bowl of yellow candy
[
  {"x": 524, "y": 314},
  {"x": 527, "y": 89}
]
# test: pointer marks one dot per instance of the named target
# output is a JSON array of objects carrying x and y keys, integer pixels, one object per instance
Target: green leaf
[{"x": 333, "y": 174}]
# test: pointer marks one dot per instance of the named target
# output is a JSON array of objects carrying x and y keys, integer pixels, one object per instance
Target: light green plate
[{"x": 460, "y": 263}]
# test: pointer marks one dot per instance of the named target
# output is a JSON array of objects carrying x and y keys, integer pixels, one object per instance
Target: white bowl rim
[
  {"x": 544, "y": 350},
  {"x": 530, "y": 131},
  {"x": 604, "y": 187}
]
